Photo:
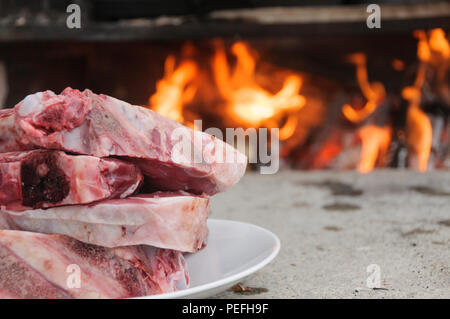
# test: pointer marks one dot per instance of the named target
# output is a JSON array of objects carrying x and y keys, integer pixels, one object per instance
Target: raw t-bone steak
[
  {"x": 42, "y": 266},
  {"x": 44, "y": 178},
  {"x": 165, "y": 220},
  {"x": 102, "y": 126}
]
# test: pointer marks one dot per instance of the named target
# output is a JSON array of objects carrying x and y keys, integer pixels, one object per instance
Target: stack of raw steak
[{"x": 100, "y": 198}]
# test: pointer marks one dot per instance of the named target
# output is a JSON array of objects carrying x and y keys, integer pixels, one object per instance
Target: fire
[
  {"x": 289, "y": 128},
  {"x": 375, "y": 143},
  {"x": 439, "y": 43},
  {"x": 418, "y": 126},
  {"x": 374, "y": 92},
  {"x": 423, "y": 49},
  {"x": 418, "y": 129},
  {"x": 251, "y": 98},
  {"x": 174, "y": 90},
  {"x": 432, "y": 50},
  {"x": 248, "y": 103},
  {"x": 375, "y": 140}
]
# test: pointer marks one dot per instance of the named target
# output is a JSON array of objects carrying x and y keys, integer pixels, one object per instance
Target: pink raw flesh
[
  {"x": 102, "y": 126},
  {"x": 9, "y": 138},
  {"x": 43, "y": 178},
  {"x": 38, "y": 266},
  {"x": 165, "y": 220}
]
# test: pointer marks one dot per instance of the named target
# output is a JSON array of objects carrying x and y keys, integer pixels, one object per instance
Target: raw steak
[
  {"x": 43, "y": 266},
  {"x": 43, "y": 178},
  {"x": 102, "y": 126},
  {"x": 165, "y": 220},
  {"x": 9, "y": 139}
]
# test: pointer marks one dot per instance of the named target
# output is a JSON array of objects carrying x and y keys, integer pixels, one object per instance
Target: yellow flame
[
  {"x": 439, "y": 43},
  {"x": 375, "y": 142},
  {"x": 173, "y": 90},
  {"x": 248, "y": 103},
  {"x": 423, "y": 49},
  {"x": 432, "y": 49},
  {"x": 418, "y": 128}
]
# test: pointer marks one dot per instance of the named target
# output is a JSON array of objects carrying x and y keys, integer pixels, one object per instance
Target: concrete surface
[{"x": 332, "y": 225}]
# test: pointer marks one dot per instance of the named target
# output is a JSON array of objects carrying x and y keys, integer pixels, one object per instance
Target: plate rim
[{"x": 229, "y": 279}]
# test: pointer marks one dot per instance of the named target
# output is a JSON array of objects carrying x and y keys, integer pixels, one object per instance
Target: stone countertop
[{"x": 332, "y": 225}]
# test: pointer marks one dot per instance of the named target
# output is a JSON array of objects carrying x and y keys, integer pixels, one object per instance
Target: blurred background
[{"x": 343, "y": 95}]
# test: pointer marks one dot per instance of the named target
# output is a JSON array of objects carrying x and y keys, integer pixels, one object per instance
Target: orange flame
[
  {"x": 173, "y": 91},
  {"x": 439, "y": 43},
  {"x": 374, "y": 92},
  {"x": 418, "y": 128},
  {"x": 431, "y": 50},
  {"x": 248, "y": 103},
  {"x": 289, "y": 128},
  {"x": 375, "y": 143},
  {"x": 423, "y": 49}
]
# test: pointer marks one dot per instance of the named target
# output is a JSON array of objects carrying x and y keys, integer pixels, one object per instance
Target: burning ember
[{"x": 365, "y": 136}]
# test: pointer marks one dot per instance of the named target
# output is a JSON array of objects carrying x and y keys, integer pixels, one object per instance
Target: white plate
[{"x": 234, "y": 251}]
